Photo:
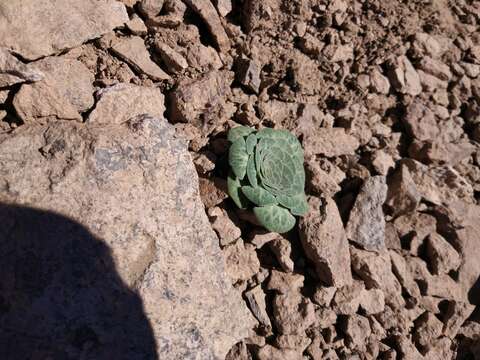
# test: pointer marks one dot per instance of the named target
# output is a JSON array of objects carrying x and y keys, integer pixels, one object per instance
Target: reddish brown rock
[
  {"x": 212, "y": 191},
  {"x": 191, "y": 98},
  {"x": 282, "y": 248},
  {"x": 372, "y": 301},
  {"x": 64, "y": 24},
  {"x": 402, "y": 196},
  {"x": 133, "y": 51},
  {"x": 292, "y": 313},
  {"x": 378, "y": 82},
  {"x": 226, "y": 229},
  {"x": 324, "y": 242},
  {"x": 347, "y": 298},
  {"x": 456, "y": 315},
  {"x": 209, "y": 14},
  {"x": 269, "y": 352},
  {"x": 297, "y": 342},
  {"x": 330, "y": 142},
  {"x": 241, "y": 261},
  {"x": 323, "y": 295},
  {"x": 375, "y": 270},
  {"x": 283, "y": 283},
  {"x": 428, "y": 328},
  {"x": 403, "y": 76},
  {"x": 357, "y": 329},
  {"x": 442, "y": 256}
]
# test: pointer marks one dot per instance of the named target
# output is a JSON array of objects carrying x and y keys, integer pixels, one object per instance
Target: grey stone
[
  {"x": 37, "y": 28},
  {"x": 366, "y": 225},
  {"x": 134, "y": 189}
]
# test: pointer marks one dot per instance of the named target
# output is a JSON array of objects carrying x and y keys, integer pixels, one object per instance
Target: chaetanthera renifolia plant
[{"x": 267, "y": 174}]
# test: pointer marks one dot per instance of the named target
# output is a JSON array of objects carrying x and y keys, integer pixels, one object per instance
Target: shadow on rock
[{"x": 60, "y": 295}]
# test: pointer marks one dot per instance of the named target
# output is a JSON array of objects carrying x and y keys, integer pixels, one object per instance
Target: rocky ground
[{"x": 385, "y": 98}]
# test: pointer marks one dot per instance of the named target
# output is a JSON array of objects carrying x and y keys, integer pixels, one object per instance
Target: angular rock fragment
[
  {"x": 256, "y": 301},
  {"x": 209, "y": 14},
  {"x": 403, "y": 76},
  {"x": 442, "y": 256},
  {"x": 241, "y": 261},
  {"x": 323, "y": 295},
  {"x": 330, "y": 142},
  {"x": 239, "y": 352},
  {"x": 122, "y": 102},
  {"x": 224, "y": 7},
  {"x": 248, "y": 74},
  {"x": 347, "y": 298},
  {"x": 134, "y": 190},
  {"x": 456, "y": 315},
  {"x": 420, "y": 121},
  {"x": 283, "y": 283},
  {"x": 406, "y": 349},
  {"x": 174, "y": 61},
  {"x": 226, "y": 229},
  {"x": 320, "y": 182},
  {"x": 366, "y": 224},
  {"x": 375, "y": 270},
  {"x": 151, "y": 8},
  {"x": 297, "y": 342},
  {"x": 64, "y": 24},
  {"x": 192, "y": 97},
  {"x": 357, "y": 329},
  {"x": 292, "y": 313},
  {"x": 378, "y": 82},
  {"x": 136, "y": 25},
  {"x": 324, "y": 242},
  {"x": 426, "y": 44},
  {"x": 439, "y": 184},
  {"x": 269, "y": 352},
  {"x": 435, "y": 68},
  {"x": 13, "y": 71},
  {"x": 372, "y": 301},
  {"x": 402, "y": 271},
  {"x": 133, "y": 51},
  {"x": 402, "y": 195},
  {"x": 64, "y": 93},
  {"x": 428, "y": 329},
  {"x": 212, "y": 191},
  {"x": 282, "y": 248}
]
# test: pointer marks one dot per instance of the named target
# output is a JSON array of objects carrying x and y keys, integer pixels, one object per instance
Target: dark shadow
[{"x": 60, "y": 295}]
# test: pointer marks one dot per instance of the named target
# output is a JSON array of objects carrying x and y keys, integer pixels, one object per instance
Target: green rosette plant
[{"x": 267, "y": 175}]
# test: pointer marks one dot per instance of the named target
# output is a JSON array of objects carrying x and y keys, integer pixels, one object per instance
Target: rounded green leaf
[
  {"x": 275, "y": 218},
  {"x": 235, "y": 193},
  {"x": 251, "y": 142},
  {"x": 239, "y": 132},
  {"x": 238, "y": 158},
  {"x": 297, "y": 204},
  {"x": 258, "y": 195},
  {"x": 252, "y": 172}
]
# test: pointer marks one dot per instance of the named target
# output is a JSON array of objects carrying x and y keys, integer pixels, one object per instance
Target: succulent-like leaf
[
  {"x": 275, "y": 218},
  {"x": 252, "y": 171},
  {"x": 238, "y": 158},
  {"x": 234, "y": 191},
  {"x": 251, "y": 142},
  {"x": 238, "y": 132},
  {"x": 297, "y": 204},
  {"x": 258, "y": 196}
]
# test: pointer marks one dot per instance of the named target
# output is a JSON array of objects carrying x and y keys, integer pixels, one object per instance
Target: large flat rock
[
  {"x": 37, "y": 28},
  {"x": 112, "y": 254}
]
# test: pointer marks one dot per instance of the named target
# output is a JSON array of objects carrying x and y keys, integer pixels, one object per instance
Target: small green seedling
[{"x": 267, "y": 175}]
